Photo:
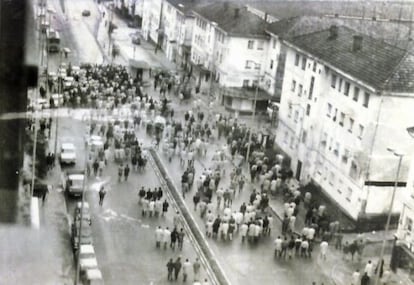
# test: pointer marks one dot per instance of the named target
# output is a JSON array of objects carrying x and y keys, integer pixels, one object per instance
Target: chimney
[
  {"x": 333, "y": 32},
  {"x": 357, "y": 43},
  {"x": 236, "y": 12},
  {"x": 226, "y": 6}
]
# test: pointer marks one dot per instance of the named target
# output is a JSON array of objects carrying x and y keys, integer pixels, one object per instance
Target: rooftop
[
  {"x": 368, "y": 9},
  {"x": 233, "y": 19},
  {"x": 391, "y": 32},
  {"x": 185, "y": 6},
  {"x": 376, "y": 63}
]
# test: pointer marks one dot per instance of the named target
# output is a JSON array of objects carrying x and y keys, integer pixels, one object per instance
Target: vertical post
[
  {"x": 60, "y": 82},
  {"x": 253, "y": 117},
  {"x": 387, "y": 225},
  {"x": 82, "y": 208}
]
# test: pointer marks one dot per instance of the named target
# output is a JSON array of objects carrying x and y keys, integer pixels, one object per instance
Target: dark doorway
[{"x": 298, "y": 170}]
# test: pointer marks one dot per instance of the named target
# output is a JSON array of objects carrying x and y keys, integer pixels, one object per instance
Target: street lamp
[
  {"x": 214, "y": 26},
  {"x": 387, "y": 225},
  {"x": 85, "y": 175},
  {"x": 60, "y": 86},
  {"x": 254, "y": 112}
]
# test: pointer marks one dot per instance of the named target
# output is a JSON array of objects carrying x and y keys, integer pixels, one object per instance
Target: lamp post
[
  {"x": 213, "y": 25},
  {"x": 85, "y": 175},
  {"x": 253, "y": 114},
  {"x": 60, "y": 91},
  {"x": 387, "y": 225}
]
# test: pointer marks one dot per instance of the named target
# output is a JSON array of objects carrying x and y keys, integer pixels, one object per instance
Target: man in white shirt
[
  {"x": 369, "y": 269},
  {"x": 356, "y": 277},
  {"x": 166, "y": 237},
  {"x": 186, "y": 269},
  {"x": 243, "y": 231},
  {"x": 158, "y": 236},
  {"x": 278, "y": 246},
  {"x": 324, "y": 249}
]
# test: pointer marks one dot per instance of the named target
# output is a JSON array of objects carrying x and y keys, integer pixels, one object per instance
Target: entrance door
[{"x": 298, "y": 170}]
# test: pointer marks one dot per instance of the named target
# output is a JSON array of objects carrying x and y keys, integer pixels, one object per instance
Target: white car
[
  {"x": 68, "y": 153},
  {"x": 39, "y": 104},
  {"x": 57, "y": 99},
  {"x": 95, "y": 143}
]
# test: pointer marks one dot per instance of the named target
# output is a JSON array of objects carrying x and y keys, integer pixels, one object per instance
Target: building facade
[
  {"x": 151, "y": 20},
  {"x": 231, "y": 43},
  {"x": 340, "y": 106}
]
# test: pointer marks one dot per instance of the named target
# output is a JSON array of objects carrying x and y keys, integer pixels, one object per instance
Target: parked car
[
  {"x": 86, "y": 215},
  {"x": 86, "y": 13},
  {"x": 136, "y": 40},
  {"x": 72, "y": 182},
  {"x": 57, "y": 100},
  {"x": 86, "y": 234},
  {"x": 39, "y": 104},
  {"x": 67, "y": 153}
]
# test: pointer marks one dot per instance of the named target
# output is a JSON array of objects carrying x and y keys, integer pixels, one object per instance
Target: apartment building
[
  {"x": 151, "y": 20},
  {"x": 178, "y": 22},
  {"x": 346, "y": 98},
  {"x": 231, "y": 43}
]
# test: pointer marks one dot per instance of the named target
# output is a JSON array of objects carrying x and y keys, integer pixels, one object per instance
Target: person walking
[
  {"x": 196, "y": 269},
  {"x": 120, "y": 172},
  {"x": 170, "y": 269},
  {"x": 355, "y": 277},
  {"x": 173, "y": 238},
  {"x": 365, "y": 279},
  {"x": 126, "y": 172},
  {"x": 44, "y": 194},
  {"x": 177, "y": 268},
  {"x": 102, "y": 193},
  {"x": 165, "y": 207},
  {"x": 158, "y": 236},
  {"x": 166, "y": 237},
  {"x": 181, "y": 235},
  {"x": 324, "y": 249},
  {"x": 186, "y": 269}
]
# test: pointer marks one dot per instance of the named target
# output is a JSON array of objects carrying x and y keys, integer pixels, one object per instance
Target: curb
[{"x": 219, "y": 277}]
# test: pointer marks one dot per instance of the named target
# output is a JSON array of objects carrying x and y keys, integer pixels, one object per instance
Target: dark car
[
  {"x": 136, "y": 40},
  {"x": 86, "y": 13}
]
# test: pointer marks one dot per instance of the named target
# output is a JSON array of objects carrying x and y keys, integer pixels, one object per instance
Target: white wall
[
  {"x": 235, "y": 54},
  {"x": 320, "y": 160},
  {"x": 151, "y": 18}
]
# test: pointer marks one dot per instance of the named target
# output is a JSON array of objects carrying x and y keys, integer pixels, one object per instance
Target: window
[
  {"x": 346, "y": 89},
  {"x": 356, "y": 94},
  {"x": 255, "y": 83},
  {"x": 312, "y": 83},
  {"x": 300, "y": 89},
  {"x": 260, "y": 45},
  {"x": 331, "y": 178},
  {"x": 324, "y": 139},
  {"x": 329, "y": 110},
  {"x": 333, "y": 81},
  {"x": 348, "y": 194},
  {"x": 341, "y": 119},
  {"x": 297, "y": 58},
  {"x": 351, "y": 125},
  {"x": 408, "y": 226},
  {"x": 296, "y": 116},
  {"x": 353, "y": 173},
  {"x": 293, "y": 87},
  {"x": 340, "y": 84},
  {"x": 366, "y": 100},
  {"x": 292, "y": 142},
  {"x": 345, "y": 156},
  {"x": 290, "y": 110},
  {"x": 304, "y": 135},
  {"x": 257, "y": 66},
  {"x": 334, "y": 115},
  {"x": 314, "y": 66},
  {"x": 336, "y": 150},
  {"x": 308, "y": 109},
  {"x": 250, "y": 44},
  {"x": 361, "y": 131},
  {"x": 286, "y": 137},
  {"x": 274, "y": 43},
  {"x": 303, "y": 63},
  {"x": 271, "y": 64},
  {"x": 246, "y": 83},
  {"x": 330, "y": 144},
  {"x": 249, "y": 64}
]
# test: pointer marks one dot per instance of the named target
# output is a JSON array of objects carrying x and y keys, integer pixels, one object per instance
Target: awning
[{"x": 139, "y": 64}]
